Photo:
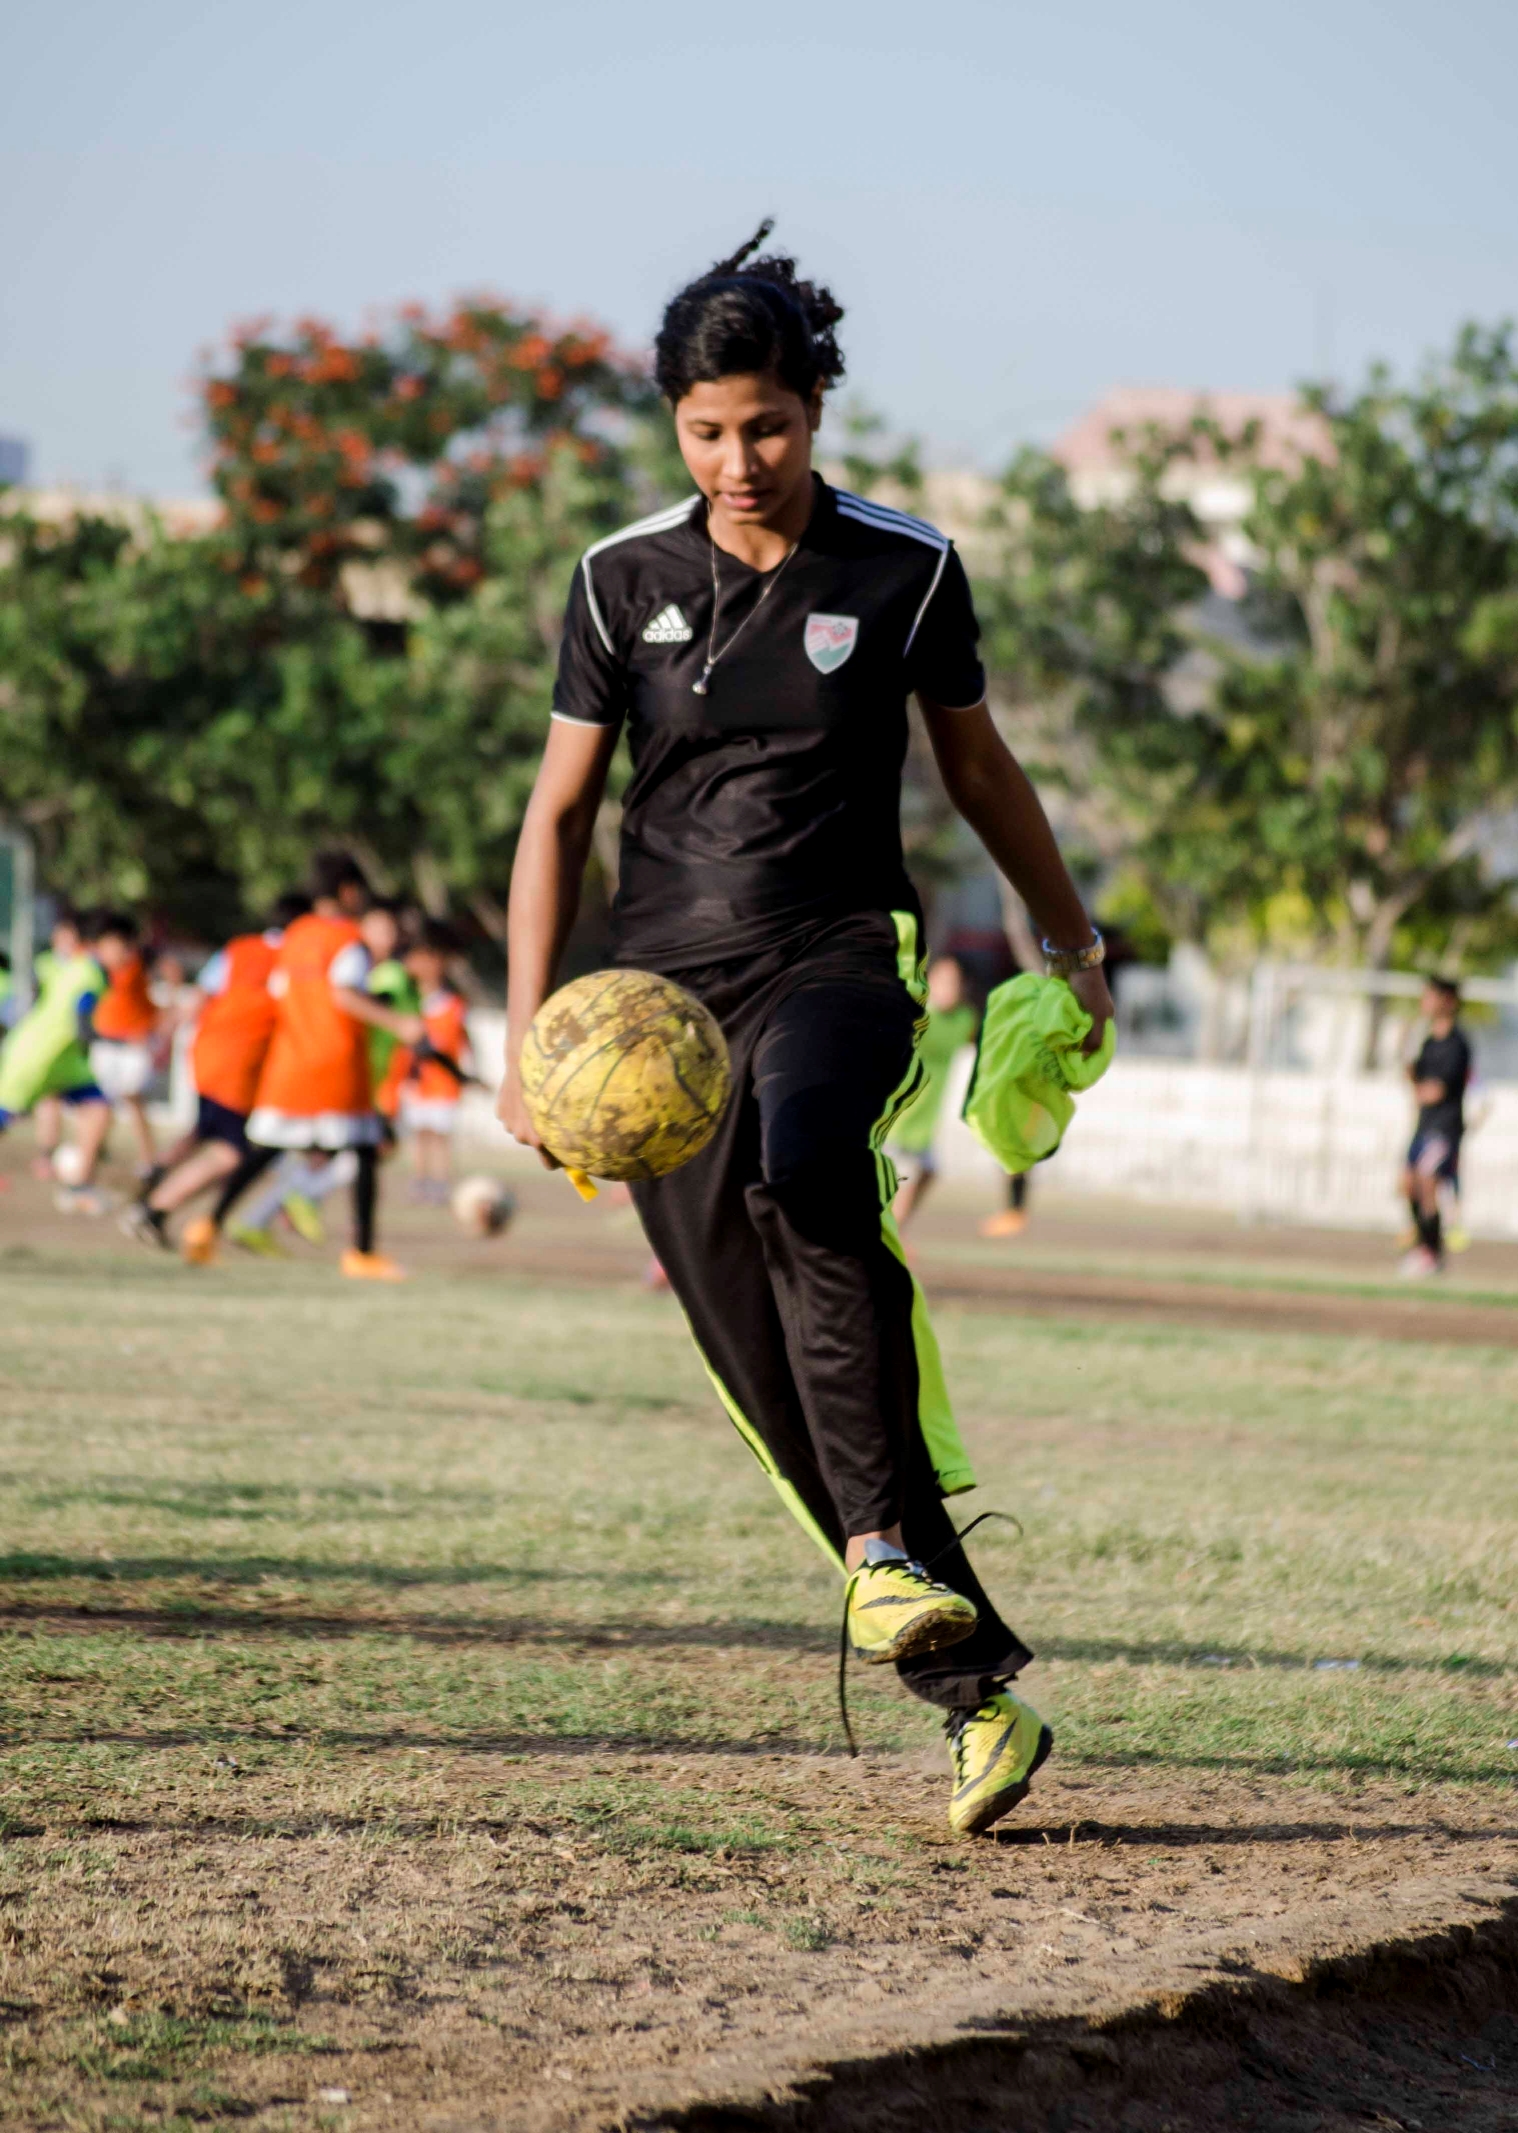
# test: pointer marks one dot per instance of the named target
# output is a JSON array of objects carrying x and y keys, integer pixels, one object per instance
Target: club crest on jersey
[
  {"x": 669, "y": 626},
  {"x": 829, "y": 640}
]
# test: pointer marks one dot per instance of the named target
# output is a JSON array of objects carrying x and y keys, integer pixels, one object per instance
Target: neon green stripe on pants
[
  {"x": 784, "y": 1489},
  {"x": 935, "y": 1414}
]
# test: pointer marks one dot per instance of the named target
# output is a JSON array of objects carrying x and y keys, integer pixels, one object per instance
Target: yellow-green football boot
[
  {"x": 995, "y": 1751},
  {"x": 893, "y": 1609},
  {"x": 304, "y": 1217}
]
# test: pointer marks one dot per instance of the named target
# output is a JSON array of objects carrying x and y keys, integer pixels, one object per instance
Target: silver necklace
[{"x": 698, "y": 688}]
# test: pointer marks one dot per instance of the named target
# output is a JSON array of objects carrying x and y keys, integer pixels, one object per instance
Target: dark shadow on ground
[
  {"x": 22, "y": 1567},
  {"x": 193, "y": 1617},
  {"x": 1424, "y": 1770},
  {"x": 517, "y": 1745},
  {"x": 1225, "y": 1657},
  {"x": 1194, "y": 1836},
  {"x": 1164, "y": 1836},
  {"x": 375, "y": 1740}
]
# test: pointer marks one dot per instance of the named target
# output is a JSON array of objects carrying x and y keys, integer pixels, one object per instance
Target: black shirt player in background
[
  {"x": 1439, "y": 1076},
  {"x": 758, "y": 643}
]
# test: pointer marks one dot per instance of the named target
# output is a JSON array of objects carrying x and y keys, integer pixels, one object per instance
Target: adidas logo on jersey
[{"x": 669, "y": 626}]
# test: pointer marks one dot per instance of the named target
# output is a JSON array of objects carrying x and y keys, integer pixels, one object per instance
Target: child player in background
[
  {"x": 1439, "y": 1076},
  {"x": 951, "y": 1024},
  {"x": 303, "y": 1181},
  {"x": 45, "y": 1066},
  {"x": 391, "y": 981},
  {"x": 123, "y": 1054},
  {"x": 429, "y": 1092},
  {"x": 315, "y": 1091},
  {"x": 234, "y": 1025}
]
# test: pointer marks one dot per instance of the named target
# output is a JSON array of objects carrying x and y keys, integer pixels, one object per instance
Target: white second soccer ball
[
  {"x": 483, "y": 1206},
  {"x": 68, "y": 1165}
]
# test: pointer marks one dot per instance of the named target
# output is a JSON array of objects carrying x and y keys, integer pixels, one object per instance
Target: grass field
[{"x": 353, "y": 1642}]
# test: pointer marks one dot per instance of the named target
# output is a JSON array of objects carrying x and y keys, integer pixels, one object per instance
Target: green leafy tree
[
  {"x": 120, "y": 649},
  {"x": 863, "y": 436},
  {"x": 1084, "y": 638},
  {"x": 1374, "y": 750},
  {"x": 364, "y": 651},
  {"x": 1335, "y": 783}
]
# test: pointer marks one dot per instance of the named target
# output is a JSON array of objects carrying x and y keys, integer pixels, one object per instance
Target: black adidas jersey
[{"x": 770, "y": 805}]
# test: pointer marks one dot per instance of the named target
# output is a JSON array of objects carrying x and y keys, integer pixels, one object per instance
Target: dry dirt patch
[
  {"x": 414, "y": 1713},
  {"x": 473, "y": 1941}
]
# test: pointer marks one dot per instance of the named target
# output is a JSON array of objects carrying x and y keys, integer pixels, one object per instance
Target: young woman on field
[{"x": 759, "y": 642}]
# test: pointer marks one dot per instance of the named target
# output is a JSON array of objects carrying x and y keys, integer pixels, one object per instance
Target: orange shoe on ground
[
  {"x": 371, "y": 1266},
  {"x": 199, "y": 1243},
  {"x": 1011, "y": 1222}
]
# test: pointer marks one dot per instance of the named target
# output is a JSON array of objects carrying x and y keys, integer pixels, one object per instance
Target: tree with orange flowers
[
  {"x": 363, "y": 652},
  {"x": 331, "y": 453}
]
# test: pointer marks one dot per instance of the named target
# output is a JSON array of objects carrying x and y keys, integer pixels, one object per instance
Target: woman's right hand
[
  {"x": 545, "y": 892},
  {"x": 511, "y": 1110}
]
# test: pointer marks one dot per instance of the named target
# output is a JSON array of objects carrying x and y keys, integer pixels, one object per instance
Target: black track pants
[{"x": 773, "y": 1240}]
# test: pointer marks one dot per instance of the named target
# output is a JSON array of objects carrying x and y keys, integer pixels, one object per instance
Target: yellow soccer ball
[{"x": 624, "y": 1075}]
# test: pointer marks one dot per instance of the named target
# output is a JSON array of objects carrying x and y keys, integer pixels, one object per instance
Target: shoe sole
[
  {"x": 1002, "y": 1803},
  {"x": 929, "y": 1633}
]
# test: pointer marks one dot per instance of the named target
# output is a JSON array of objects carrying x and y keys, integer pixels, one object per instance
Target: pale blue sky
[{"x": 1020, "y": 205}]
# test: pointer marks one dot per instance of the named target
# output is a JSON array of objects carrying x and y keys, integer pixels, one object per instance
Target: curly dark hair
[
  {"x": 749, "y": 315},
  {"x": 104, "y": 922},
  {"x": 334, "y": 871}
]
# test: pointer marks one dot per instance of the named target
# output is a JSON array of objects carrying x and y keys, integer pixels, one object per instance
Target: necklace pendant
[{"x": 698, "y": 688}]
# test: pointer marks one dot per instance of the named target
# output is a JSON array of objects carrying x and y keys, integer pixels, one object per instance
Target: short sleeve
[
  {"x": 213, "y": 977},
  {"x": 349, "y": 967},
  {"x": 943, "y": 656},
  {"x": 591, "y": 687}
]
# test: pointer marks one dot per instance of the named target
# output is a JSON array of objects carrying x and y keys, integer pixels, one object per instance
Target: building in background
[
  {"x": 15, "y": 460},
  {"x": 1094, "y": 453}
]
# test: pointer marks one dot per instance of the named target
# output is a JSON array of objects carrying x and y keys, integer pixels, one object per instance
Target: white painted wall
[{"x": 1321, "y": 1149}]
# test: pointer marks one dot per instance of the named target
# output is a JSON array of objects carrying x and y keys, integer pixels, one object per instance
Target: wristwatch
[{"x": 1064, "y": 962}]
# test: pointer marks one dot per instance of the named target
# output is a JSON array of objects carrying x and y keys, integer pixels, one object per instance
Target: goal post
[{"x": 17, "y": 912}]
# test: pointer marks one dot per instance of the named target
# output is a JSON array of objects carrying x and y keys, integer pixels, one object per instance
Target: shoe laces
[
  {"x": 904, "y": 1566},
  {"x": 913, "y": 1568},
  {"x": 955, "y": 1727}
]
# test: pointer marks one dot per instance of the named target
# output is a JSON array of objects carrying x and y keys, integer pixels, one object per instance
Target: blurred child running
[
  {"x": 45, "y": 1067},
  {"x": 315, "y": 1089},
  {"x": 234, "y": 1025},
  {"x": 434, "y": 1074},
  {"x": 123, "y": 1052},
  {"x": 303, "y": 1181}
]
